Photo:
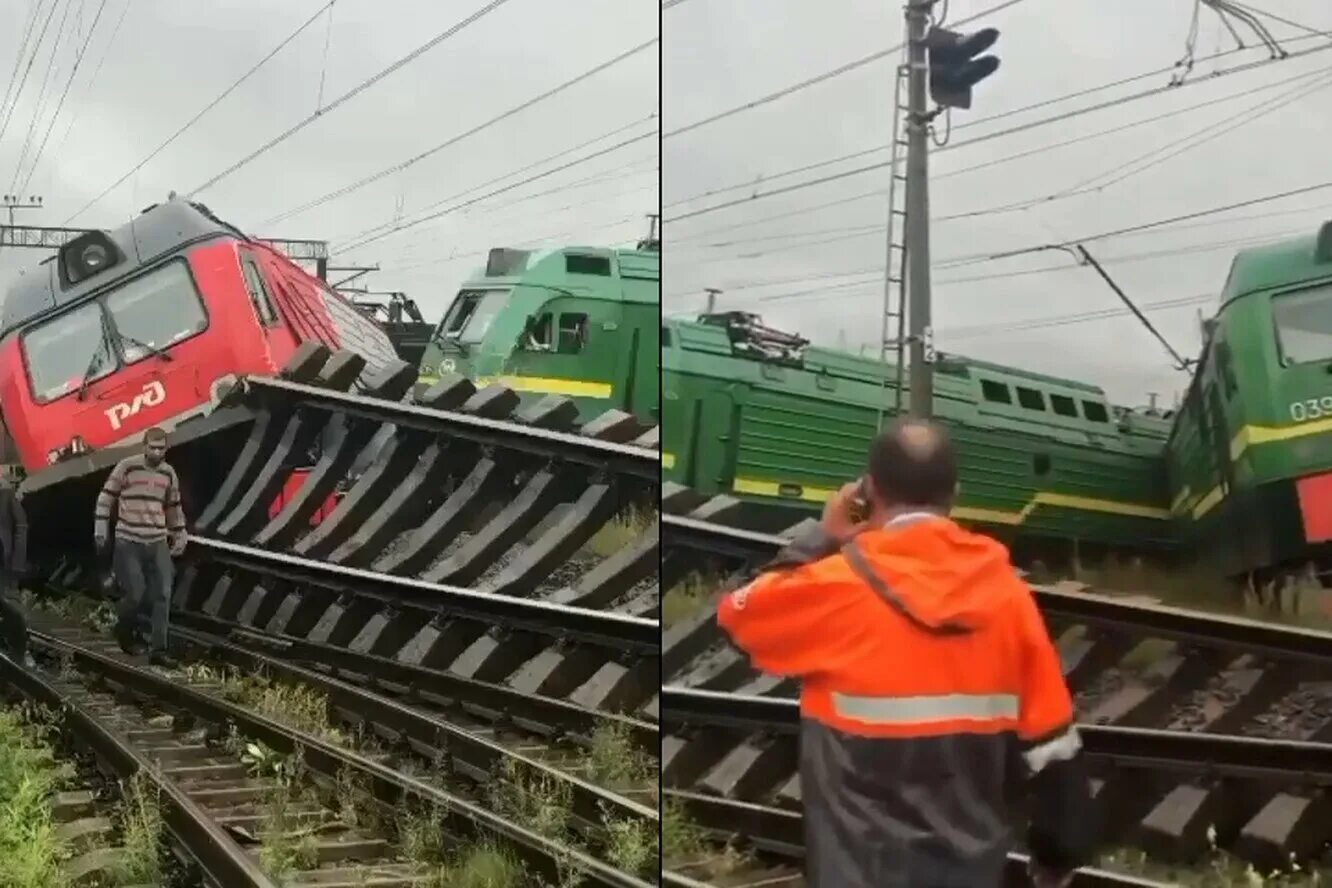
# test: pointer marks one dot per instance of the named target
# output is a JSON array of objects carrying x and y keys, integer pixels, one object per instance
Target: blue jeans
[{"x": 144, "y": 573}]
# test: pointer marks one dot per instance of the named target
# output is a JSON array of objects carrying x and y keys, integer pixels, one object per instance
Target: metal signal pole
[{"x": 920, "y": 334}]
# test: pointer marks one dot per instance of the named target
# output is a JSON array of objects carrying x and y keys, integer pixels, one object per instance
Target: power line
[
  {"x": 375, "y": 229},
  {"x": 667, "y": 4},
  {"x": 1065, "y": 320},
  {"x": 1067, "y": 115},
  {"x": 197, "y": 117},
  {"x": 444, "y": 212},
  {"x": 61, "y": 103},
  {"x": 821, "y": 78},
  {"x": 1041, "y": 149},
  {"x": 399, "y": 167},
  {"x": 106, "y": 51},
  {"x": 345, "y": 97},
  {"x": 18, "y": 56},
  {"x": 36, "y": 51}
]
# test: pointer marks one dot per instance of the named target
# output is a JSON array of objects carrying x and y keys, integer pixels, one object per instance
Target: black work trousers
[
  {"x": 13, "y": 625},
  {"x": 144, "y": 574}
]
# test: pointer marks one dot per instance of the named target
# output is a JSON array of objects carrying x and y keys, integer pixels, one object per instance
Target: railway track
[
  {"x": 484, "y": 596},
  {"x": 1244, "y": 703}
]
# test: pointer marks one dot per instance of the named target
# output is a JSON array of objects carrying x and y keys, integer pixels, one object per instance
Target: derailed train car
[
  {"x": 1046, "y": 464},
  {"x": 146, "y": 325}
]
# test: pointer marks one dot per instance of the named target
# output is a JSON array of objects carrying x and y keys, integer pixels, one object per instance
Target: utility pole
[
  {"x": 713, "y": 293},
  {"x": 918, "y": 211}
]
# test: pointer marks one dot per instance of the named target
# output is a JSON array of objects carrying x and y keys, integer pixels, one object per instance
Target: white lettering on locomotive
[{"x": 153, "y": 393}]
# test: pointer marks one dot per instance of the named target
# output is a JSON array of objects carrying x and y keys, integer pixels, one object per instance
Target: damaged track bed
[
  {"x": 230, "y": 767},
  {"x": 487, "y": 583},
  {"x": 1129, "y": 664}
]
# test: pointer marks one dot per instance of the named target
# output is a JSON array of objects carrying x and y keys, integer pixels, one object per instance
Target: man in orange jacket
[{"x": 926, "y": 668}]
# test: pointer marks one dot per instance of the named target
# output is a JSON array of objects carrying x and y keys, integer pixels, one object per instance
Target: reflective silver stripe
[
  {"x": 1060, "y": 749},
  {"x": 914, "y": 710}
]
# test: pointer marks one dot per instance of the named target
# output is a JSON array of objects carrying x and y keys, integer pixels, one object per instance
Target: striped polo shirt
[{"x": 146, "y": 500}]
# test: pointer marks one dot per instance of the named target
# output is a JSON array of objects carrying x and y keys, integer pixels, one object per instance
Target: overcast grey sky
[
  {"x": 719, "y": 54},
  {"x": 169, "y": 59}
]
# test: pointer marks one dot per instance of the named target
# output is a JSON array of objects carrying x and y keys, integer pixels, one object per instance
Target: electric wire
[
  {"x": 1040, "y": 149},
  {"x": 19, "y": 55},
  {"x": 386, "y": 226},
  {"x": 1020, "y": 128},
  {"x": 36, "y": 51},
  {"x": 197, "y": 117},
  {"x": 456, "y": 207},
  {"x": 430, "y": 152},
  {"x": 350, "y": 94},
  {"x": 106, "y": 51},
  {"x": 63, "y": 95},
  {"x": 820, "y": 78}
]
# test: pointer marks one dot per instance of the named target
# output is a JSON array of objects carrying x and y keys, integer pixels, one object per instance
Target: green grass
[
  {"x": 31, "y": 853},
  {"x": 140, "y": 833},
  {"x": 619, "y": 532},
  {"x": 1217, "y": 870},
  {"x": 685, "y": 600}
]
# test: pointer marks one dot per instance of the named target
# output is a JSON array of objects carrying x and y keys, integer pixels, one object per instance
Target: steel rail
[
  {"x": 545, "y": 857},
  {"x": 1160, "y": 621},
  {"x": 222, "y": 860},
  {"x": 780, "y": 832},
  {"x": 605, "y": 629},
  {"x": 533, "y": 712},
  {"x": 475, "y": 756},
  {"x": 619, "y": 459},
  {"x": 1222, "y": 755}
]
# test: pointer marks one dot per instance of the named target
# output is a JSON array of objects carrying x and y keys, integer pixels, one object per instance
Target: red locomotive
[
  {"x": 138, "y": 327},
  {"x": 141, "y": 326}
]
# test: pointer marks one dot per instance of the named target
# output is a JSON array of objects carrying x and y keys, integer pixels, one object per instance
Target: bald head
[{"x": 912, "y": 465}]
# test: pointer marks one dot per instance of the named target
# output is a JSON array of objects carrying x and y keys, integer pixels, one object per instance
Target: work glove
[
  {"x": 99, "y": 541},
  {"x": 177, "y": 545},
  {"x": 1044, "y": 877}
]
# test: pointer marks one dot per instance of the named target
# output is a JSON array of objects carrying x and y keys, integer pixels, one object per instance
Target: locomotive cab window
[
  {"x": 537, "y": 337},
  {"x": 1303, "y": 322},
  {"x": 67, "y": 350},
  {"x": 471, "y": 314},
  {"x": 573, "y": 333},
  {"x": 156, "y": 311},
  {"x": 259, "y": 297}
]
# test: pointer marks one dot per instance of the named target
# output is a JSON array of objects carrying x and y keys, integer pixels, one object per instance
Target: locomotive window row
[
  {"x": 146, "y": 314},
  {"x": 1032, "y": 399},
  {"x": 1303, "y": 323}
]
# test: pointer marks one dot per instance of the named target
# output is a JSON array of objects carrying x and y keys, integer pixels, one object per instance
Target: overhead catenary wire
[
  {"x": 985, "y": 137},
  {"x": 36, "y": 51},
  {"x": 822, "y": 78},
  {"x": 199, "y": 116},
  {"x": 481, "y": 127},
  {"x": 19, "y": 55},
  {"x": 106, "y": 51},
  {"x": 63, "y": 95},
  {"x": 386, "y": 226},
  {"x": 1020, "y": 155},
  {"x": 350, "y": 94},
  {"x": 456, "y": 207}
]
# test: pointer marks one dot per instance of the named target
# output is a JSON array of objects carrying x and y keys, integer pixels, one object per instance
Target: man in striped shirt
[{"x": 143, "y": 494}]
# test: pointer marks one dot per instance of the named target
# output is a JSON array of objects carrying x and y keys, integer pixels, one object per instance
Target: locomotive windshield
[
  {"x": 145, "y": 316},
  {"x": 471, "y": 315},
  {"x": 1304, "y": 325},
  {"x": 63, "y": 352}
]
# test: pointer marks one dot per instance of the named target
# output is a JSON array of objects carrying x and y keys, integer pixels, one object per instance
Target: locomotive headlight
[
  {"x": 94, "y": 257},
  {"x": 53, "y": 457}
]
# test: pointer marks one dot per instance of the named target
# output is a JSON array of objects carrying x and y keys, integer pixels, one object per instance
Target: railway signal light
[{"x": 954, "y": 66}]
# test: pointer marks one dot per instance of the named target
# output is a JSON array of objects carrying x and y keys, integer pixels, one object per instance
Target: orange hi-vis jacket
[{"x": 925, "y": 667}]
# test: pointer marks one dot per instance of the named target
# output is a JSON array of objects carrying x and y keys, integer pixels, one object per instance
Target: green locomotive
[
  {"x": 576, "y": 321},
  {"x": 1250, "y": 460},
  {"x": 765, "y": 417}
]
